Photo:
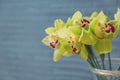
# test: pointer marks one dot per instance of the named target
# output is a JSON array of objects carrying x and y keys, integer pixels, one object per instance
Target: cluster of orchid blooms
[{"x": 70, "y": 38}]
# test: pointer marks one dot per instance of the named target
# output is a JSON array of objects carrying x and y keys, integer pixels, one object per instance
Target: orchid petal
[
  {"x": 116, "y": 26},
  {"x": 57, "y": 55},
  {"x": 87, "y": 37},
  {"x": 83, "y": 53},
  {"x": 46, "y": 40},
  {"x": 94, "y": 14},
  {"x": 117, "y": 16},
  {"x": 65, "y": 48},
  {"x": 50, "y": 30},
  {"x": 69, "y": 22},
  {"x": 96, "y": 28},
  {"x": 59, "y": 24},
  {"x": 77, "y": 16},
  {"x": 75, "y": 29},
  {"x": 102, "y": 17},
  {"x": 103, "y": 46}
]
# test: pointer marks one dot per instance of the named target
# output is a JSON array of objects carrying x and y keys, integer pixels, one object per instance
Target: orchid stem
[
  {"x": 109, "y": 60},
  {"x": 92, "y": 58},
  {"x": 102, "y": 57}
]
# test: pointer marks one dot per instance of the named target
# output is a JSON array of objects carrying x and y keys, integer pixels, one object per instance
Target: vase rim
[{"x": 106, "y": 72}]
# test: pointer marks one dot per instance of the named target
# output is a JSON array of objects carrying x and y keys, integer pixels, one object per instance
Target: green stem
[
  {"x": 102, "y": 57},
  {"x": 90, "y": 62},
  {"x": 109, "y": 60},
  {"x": 93, "y": 61},
  {"x": 97, "y": 62},
  {"x": 92, "y": 58}
]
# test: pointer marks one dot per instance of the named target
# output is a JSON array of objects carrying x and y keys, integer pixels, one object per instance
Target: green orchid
[
  {"x": 71, "y": 38},
  {"x": 104, "y": 29},
  {"x": 80, "y": 26},
  {"x": 64, "y": 38},
  {"x": 61, "y": 39},
  {"x": 81, "y": 35}
]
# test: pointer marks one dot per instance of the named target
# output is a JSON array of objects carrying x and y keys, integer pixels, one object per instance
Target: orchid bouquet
[{"x": 83, "y": 36}]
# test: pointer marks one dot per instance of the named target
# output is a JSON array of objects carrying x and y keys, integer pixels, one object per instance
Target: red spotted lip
[
  {"x": 53, "y": 44},
  {"x": 84, "y": 23},
  {"x": 111, "y": 28},
  {"x": 74, "y": 50}
]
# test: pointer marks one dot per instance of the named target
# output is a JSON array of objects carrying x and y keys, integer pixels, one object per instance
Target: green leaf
[
  {"x": 87, "y": 37},
  {"x": 103, "y": 46},
  {"x": 83, "y": 53}
]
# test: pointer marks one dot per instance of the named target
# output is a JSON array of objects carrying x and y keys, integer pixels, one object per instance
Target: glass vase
[{"x": 108, "y": 72}]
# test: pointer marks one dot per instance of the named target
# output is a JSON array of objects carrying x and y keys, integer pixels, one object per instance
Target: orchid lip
[
  {"x": 53, "y": 44},
  {"x": 74, "y": 50},
  {"x": 84, "y": 23},
  {"x": 110, "y": 28}
]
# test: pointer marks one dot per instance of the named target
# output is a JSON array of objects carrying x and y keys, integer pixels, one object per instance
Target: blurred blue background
[{"x": 22, "y": 24}]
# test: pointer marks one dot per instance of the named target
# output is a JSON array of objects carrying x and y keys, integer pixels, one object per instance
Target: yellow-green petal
[
  {"x": 115, "y": 34},
  {"x": 64, "y": 33},
  {"x": 116, "y": 26},
  {"x": 103, "y": 46},
  {"x": 87, "y": 37},
  {"x": 59, "y": 24},
  {"x": 94, "y": 14},
  {"x": 83, "y": 53},
  {"x": 50, "y": 30},
  {"x": 117, "y": 16},
  {"x": 46, "y": 40},
  {"x": 65, "y": 48},
  {"x": 102, "y": 17},
  {"x": 75, "y": 29},
  {"x": 95, "y": 28},
  {"x": 77, "y": 15},
  {"x": 57, "y": 55},
  {"x": 69, "y": 22}
]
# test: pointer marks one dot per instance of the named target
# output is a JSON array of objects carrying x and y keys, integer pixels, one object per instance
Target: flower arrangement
[{"x": 83, "y": 36}]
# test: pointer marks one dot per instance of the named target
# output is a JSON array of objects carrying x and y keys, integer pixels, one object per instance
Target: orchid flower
[
  {"x": 62, "y": 40},
  {"x": 71, "y": 38},
  {"x": 105, "y": 30}
]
